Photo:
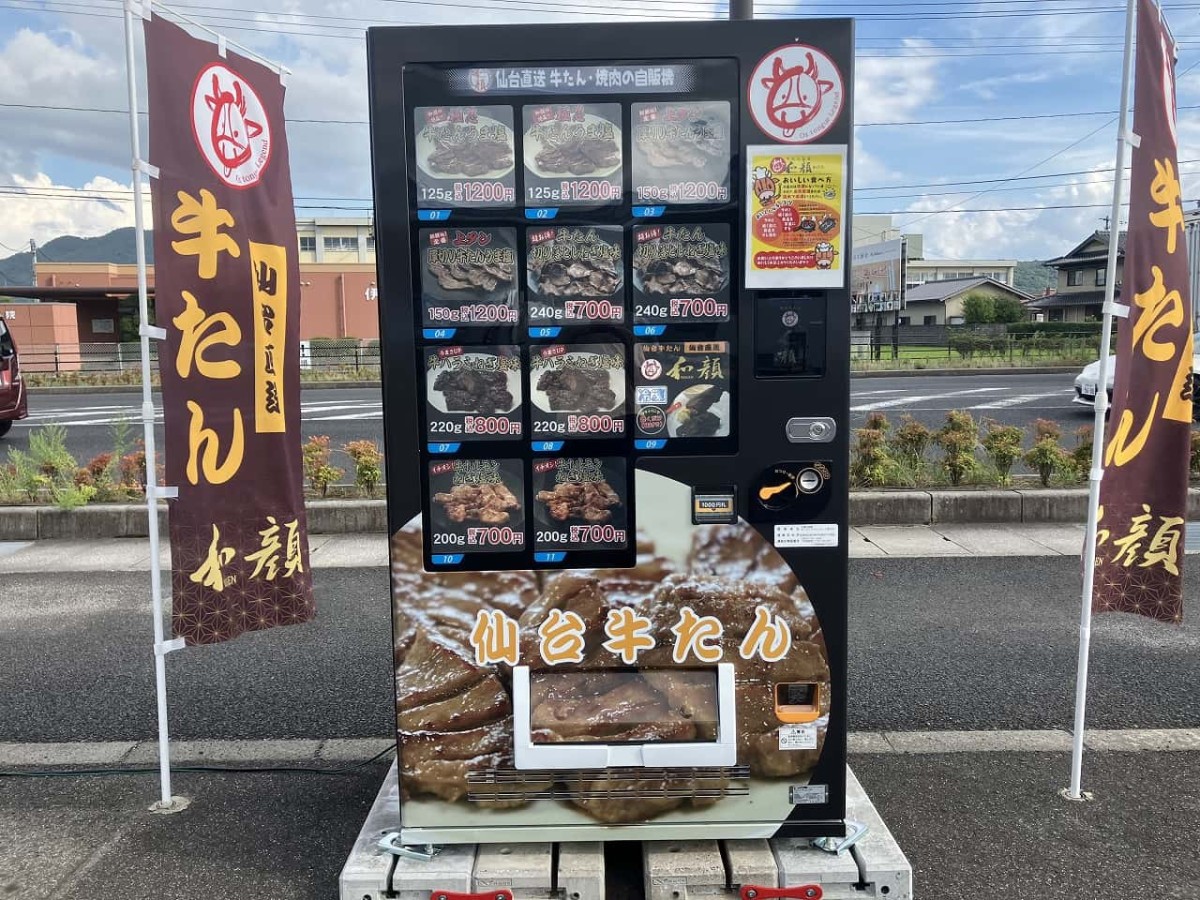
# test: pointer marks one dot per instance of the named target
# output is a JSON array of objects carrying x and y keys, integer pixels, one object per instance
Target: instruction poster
[{"x": 795, "y": 216}]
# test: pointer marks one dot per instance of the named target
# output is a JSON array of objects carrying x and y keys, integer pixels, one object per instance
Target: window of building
[
  {"x": 930, "y": 320},
  {"x": 1101, "y": 275},
  {"x": 341, "y": 244},
  {"x": 906, "y": 320},
  {"x": 1058, "y": 315},
  {"x": 371, "y": 242},
  {"x": 1075, "y": 278},
  {"x": 308, "y": 243}
]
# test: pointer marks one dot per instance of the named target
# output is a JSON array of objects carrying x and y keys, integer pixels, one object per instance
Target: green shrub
[
  {"x": 910, "y": 441},
  {"x": 1046, "y": 428},
  {"x": 1195, "y": 456},
  {"x": 318, "y": 471},
  {"x": 1002, "y": 443},
  {"x": 368, "y": 471},
  {"x": 958, "y": 439},
  {"x": 1048, "y": 459},
  {"x": 877, "y": 421},
  {"x": 1082, "y": 454},
  {"x": 871, "y": 465},
  {"x": 979, "y": 309}
]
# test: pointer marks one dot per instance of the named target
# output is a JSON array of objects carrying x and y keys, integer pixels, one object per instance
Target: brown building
[{"x": 337, "y": 299}]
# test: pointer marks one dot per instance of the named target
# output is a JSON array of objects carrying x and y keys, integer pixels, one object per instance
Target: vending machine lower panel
[{"x": 687, "y": 695}]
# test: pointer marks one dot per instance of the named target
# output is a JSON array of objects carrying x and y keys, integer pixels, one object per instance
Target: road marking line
[
  {"x": 901, "y": 401},
  {"x": 1019, "y": 400},
  {"x": 909, "y": 743}
]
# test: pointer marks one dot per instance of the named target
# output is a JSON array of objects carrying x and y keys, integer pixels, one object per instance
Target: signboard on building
[{"x": 877, "y": 277}]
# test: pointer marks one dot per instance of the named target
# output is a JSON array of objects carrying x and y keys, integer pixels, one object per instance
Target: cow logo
[
  {"x": 651, "y": 369},
  {"x": 796, "y": 94},
  {"x": 481, "y": 80},
  {"x": 230, "y": 126}
]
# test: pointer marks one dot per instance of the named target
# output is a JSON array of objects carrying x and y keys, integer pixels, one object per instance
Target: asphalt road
[
  {"x": 353, "y": 414},
  {"x": 947, "y": 644}
]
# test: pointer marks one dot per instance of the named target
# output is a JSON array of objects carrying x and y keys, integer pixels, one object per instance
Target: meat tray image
[
  {"x": 472, "y": 391},
  {"x": 470, "y": 276},
  {"x": 691, "y": 415},
  {"x": 486, "y": 503},
  {"x": 578, "y": 277},
  {"x": 591, "y": 502},
  {"x": 578, "y": 390},
  {"x": 578, "y": 155},
  {"x": 682, "y": 275},
  {"x": 470, "y": 159}
]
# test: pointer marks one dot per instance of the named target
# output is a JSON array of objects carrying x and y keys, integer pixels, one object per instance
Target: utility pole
[
  {"x": 741, "y": 9},
  {"x": 33, "y": 265}
]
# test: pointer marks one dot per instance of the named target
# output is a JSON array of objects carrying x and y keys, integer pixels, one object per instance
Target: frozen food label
[
  {"x": 681, "y": 274},
  {"x": 576, "y": 275},
  {"x": 465, "y": 156},
  {"x": 797, "y": 737},
  {"x": 473, "y": 393},
  {"x": 469, "y": 276},
  {"x": 682, "y": 390},
  {"x": 812, "y": 534},
  {"x": 477, "y": 505},
  {"x": 580, "y": 504},
  {"x": 577, "y": 391},
  {"x": 573, "y": 154},
  {"x": 681, "y": 152},
  {"x": 795, "y": 217}
]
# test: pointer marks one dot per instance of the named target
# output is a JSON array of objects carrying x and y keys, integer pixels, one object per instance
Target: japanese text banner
[
  {"x": 227, "y": 293},
  {"x": 1143, "y": 497}
]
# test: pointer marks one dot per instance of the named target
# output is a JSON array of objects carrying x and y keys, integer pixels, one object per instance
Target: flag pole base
[
  {"x": 1084, "y": 796},
  {"x": 177, "y": 805}
]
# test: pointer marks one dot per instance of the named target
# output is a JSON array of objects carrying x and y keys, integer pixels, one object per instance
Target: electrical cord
[{"x": 107, "y": 772}]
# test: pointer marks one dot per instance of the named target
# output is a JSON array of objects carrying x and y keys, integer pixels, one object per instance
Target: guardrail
[{"x": 316, "y": 356}]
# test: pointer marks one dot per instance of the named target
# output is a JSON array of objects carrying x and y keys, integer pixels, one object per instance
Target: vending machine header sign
[{"x": 615, "y": 328}]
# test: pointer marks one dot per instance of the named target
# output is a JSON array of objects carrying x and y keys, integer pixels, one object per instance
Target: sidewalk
[
  {"x": 973, "y": 824},
  {"x": 368, "y": 550}
]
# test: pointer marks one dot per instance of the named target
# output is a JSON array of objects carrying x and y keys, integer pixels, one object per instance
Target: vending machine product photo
[{"x": 615, "y": 334}]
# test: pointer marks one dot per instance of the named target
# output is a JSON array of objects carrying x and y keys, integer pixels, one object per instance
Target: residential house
[
  {"x": 941, "y": 302},
  {"x": 1081, "y": 273}
]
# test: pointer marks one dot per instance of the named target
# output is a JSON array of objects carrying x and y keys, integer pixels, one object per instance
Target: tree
[
  {"x": 1008, "y": 310},
  {"x": 979, "y": 309}
]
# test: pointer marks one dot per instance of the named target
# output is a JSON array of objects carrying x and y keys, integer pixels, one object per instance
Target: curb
[
  {"x": 358, "y": 385},
  {"x": 1008, "y": 370},
  {"x": 900, "y": 507}
]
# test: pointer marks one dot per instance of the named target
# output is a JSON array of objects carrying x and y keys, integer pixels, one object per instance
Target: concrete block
[
  {"x": 1054, "y": 505},
  {"x": 976, "y": 506},
  {"x": 899, "y": 540},
  {"x": 1193, "y": 504},
  {"x": 347, "y": 517},
  {"x": 19, "y": 523},
  {"x": 890, "y": 508},
  {"x": 86, "y": 523}
]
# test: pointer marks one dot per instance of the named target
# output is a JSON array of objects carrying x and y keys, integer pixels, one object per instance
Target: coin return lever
[{"x": 580, "y": 743}]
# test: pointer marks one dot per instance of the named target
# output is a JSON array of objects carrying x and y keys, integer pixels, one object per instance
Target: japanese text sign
[{"x": 227, "y": 293}]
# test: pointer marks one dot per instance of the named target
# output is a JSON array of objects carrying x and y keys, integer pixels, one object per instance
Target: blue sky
[{"x": 918, "y": 63}]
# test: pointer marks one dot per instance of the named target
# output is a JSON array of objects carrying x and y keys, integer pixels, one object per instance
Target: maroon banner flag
[
  {"x": 227, "y": 291},
  {"x": 1143, "y": 497}
]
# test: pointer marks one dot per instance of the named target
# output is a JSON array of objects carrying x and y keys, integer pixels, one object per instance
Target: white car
[{"x": 1087, "y": 382}]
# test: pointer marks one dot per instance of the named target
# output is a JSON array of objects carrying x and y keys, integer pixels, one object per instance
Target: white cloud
[
  {"x": 893, "y": 89},
  {"x": 38, "y": 208}
]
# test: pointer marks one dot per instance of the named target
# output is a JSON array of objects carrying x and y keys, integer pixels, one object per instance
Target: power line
[{"x": 916, "y": 122}]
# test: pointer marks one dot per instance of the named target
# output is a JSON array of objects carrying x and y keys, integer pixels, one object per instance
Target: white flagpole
[
  {"x": 1124, "y": 139},
  {"x": 167, "y": 802}
]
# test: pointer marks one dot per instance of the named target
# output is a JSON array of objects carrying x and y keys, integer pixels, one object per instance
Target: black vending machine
[{"x": 615, "y": 330}]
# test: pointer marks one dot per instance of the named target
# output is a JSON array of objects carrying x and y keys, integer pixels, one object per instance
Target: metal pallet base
[{"x": 873, "y": 869}]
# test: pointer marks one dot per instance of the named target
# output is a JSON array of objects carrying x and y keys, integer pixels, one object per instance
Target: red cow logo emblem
[
  {"x": 796, "y": 94},
  {"x": 231, "y": 129},
  {"x": 230, "y": 126}
]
